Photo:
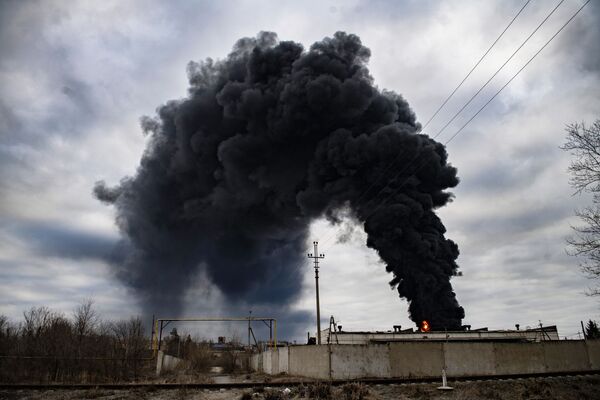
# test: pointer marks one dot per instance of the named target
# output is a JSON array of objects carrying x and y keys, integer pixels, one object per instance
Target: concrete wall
[
  {"x": 427, "y": 359},
  {"x": 267, "y": 357},
  {"x": 566, "y": 356},
  {"x": 254, "y": 364},
  {"x": 275, "y": 362},
  {"x": 468, "y": 358},
  {"x": 593, "y": 348},
  {"x": 519, "y": 358},
  {"x": 309, "y": 361},
  {"x": 165, "y": 362},
  {"x": 284, "y": 353},
  {"x": 409, "y": 360},
  {"x": 356, "y": 361},
  {"x": 271, "y": 362}
]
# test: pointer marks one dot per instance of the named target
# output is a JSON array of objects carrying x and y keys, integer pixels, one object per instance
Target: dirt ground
[{"x": 567, "y": 388}]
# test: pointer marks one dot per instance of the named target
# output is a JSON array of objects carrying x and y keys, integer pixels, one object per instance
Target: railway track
[{"x": 288, "y": 383}]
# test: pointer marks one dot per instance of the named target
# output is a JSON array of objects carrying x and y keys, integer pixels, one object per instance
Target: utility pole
[{"x": 316, "y": 256}]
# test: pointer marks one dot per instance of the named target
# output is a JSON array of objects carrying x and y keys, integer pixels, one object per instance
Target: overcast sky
[{"x": 75, "y": 77}]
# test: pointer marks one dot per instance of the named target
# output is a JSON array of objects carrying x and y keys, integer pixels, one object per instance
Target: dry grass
[
  {"x": 324, "y": 391},
  {"x": 246, "y": 396},
  {"x": 573, "y": 388},
  {"x": 273, "y": 395},
  {"x": 564, "y": 388},
  {"x": 199, "y": 357},
  {"x": 317, "y": 391},
  {"x": 355, "y": 391}
]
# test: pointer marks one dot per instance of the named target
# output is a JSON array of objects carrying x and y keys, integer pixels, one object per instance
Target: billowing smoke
[{"x": 268, "y": 140}]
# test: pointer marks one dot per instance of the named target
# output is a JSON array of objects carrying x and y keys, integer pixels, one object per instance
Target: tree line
[{"x": 49, "y": 346}]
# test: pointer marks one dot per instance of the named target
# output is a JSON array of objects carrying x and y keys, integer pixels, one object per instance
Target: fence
[{"x": 427, "y": 359}]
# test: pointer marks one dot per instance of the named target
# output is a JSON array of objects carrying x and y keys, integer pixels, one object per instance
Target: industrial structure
[
  {"x": 340, "y": 336},
  {"x": 423, "y": 353},
  {"x": 405, "y": 353}
]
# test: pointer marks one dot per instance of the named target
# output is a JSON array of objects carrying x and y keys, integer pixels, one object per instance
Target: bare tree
[
  {"x": 85, "y": 318},
  {"x": 49, "y": 347},
  {"x": 583, "y": 142},
  {"x": 85, "y": 321},
  {"x": 37, "y": 321},
  {"x": 130, "y": 343},
  {"x": 6, "y": 332}
]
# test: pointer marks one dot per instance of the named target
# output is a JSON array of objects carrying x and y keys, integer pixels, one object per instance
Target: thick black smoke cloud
[{"x": 266, "y": 141}]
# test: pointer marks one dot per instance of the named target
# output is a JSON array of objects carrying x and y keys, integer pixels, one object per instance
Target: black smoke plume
[{"x": 266, "y": 141}]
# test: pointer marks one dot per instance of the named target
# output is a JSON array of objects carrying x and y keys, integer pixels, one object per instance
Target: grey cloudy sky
[{"x": 75, "y": 77}]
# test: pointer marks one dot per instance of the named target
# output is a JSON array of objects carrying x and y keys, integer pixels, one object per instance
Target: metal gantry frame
[{"x": 161, "y": 323}]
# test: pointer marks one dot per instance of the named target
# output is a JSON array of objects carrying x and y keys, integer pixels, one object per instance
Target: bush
[
  {"x": 318, "y": 391},
  {"x": 354, "y": 391},
  {"x": 273, "y": 395},
  {"x": 199, "y": 356}
]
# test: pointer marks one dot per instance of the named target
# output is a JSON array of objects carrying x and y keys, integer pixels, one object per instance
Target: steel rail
[{"x": 335, "y": 382}]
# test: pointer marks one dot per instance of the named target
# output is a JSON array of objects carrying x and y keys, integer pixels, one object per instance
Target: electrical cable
[
  {"x": 498, "y": 70},
  {"x": 518, "y": 72},
  {"x": 393, "y": 162},
  {"x": 475, "y": 66},
  {"x": 488, "y": 102},
  {"x": 410, "y": 162},
  {"x": 421, "y": 165}
]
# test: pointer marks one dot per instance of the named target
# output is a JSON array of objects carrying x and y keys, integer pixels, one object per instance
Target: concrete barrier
[
  {"x": 275, "y": 362},
  {"x": 427, "y": 359},
  {"x": 309, "y": 361},
  {"x": 519, "y": 358},
  {"x": 356, "y": 361},
  {"x": 593, "y": 350},
  {"x": 408, "y": 360},
  {"x": 255, "y": 365},
  {"x": 566, "y": 356},
  {"x": 284, "y": 360},
  {"x": 463, "y": 359},
  {"x": 267, "y": 362},
  {"x": 165, "y": 362}
]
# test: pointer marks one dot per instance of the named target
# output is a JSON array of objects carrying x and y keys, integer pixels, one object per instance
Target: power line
[
  {"x": 475, "y": 66},
  {"x": 410, "y": 162},
  {"x": 490, "y": 100},
  {"x": 518, "y": 72},
  {"x": 421, "y": 165},
  {"x": 498, "y": 70},
  {"x": 393, "y": 162}
]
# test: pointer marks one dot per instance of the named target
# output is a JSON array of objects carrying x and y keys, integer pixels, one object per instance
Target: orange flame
[{"x": 425, "y": 326}]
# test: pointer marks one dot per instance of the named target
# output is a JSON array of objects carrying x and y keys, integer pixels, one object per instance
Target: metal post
[
  {"x": 152, "y": 332},
  {"x": 316, "y": 256},
  {"x": 160, "y": 335},
  {"x": 154, "y": 336},
  {"x": 249, "y": 327},
  {"x": 583, "y": 330}
]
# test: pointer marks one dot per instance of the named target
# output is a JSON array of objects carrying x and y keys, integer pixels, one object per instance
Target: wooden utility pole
[{"x": 316, "y": 256}]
